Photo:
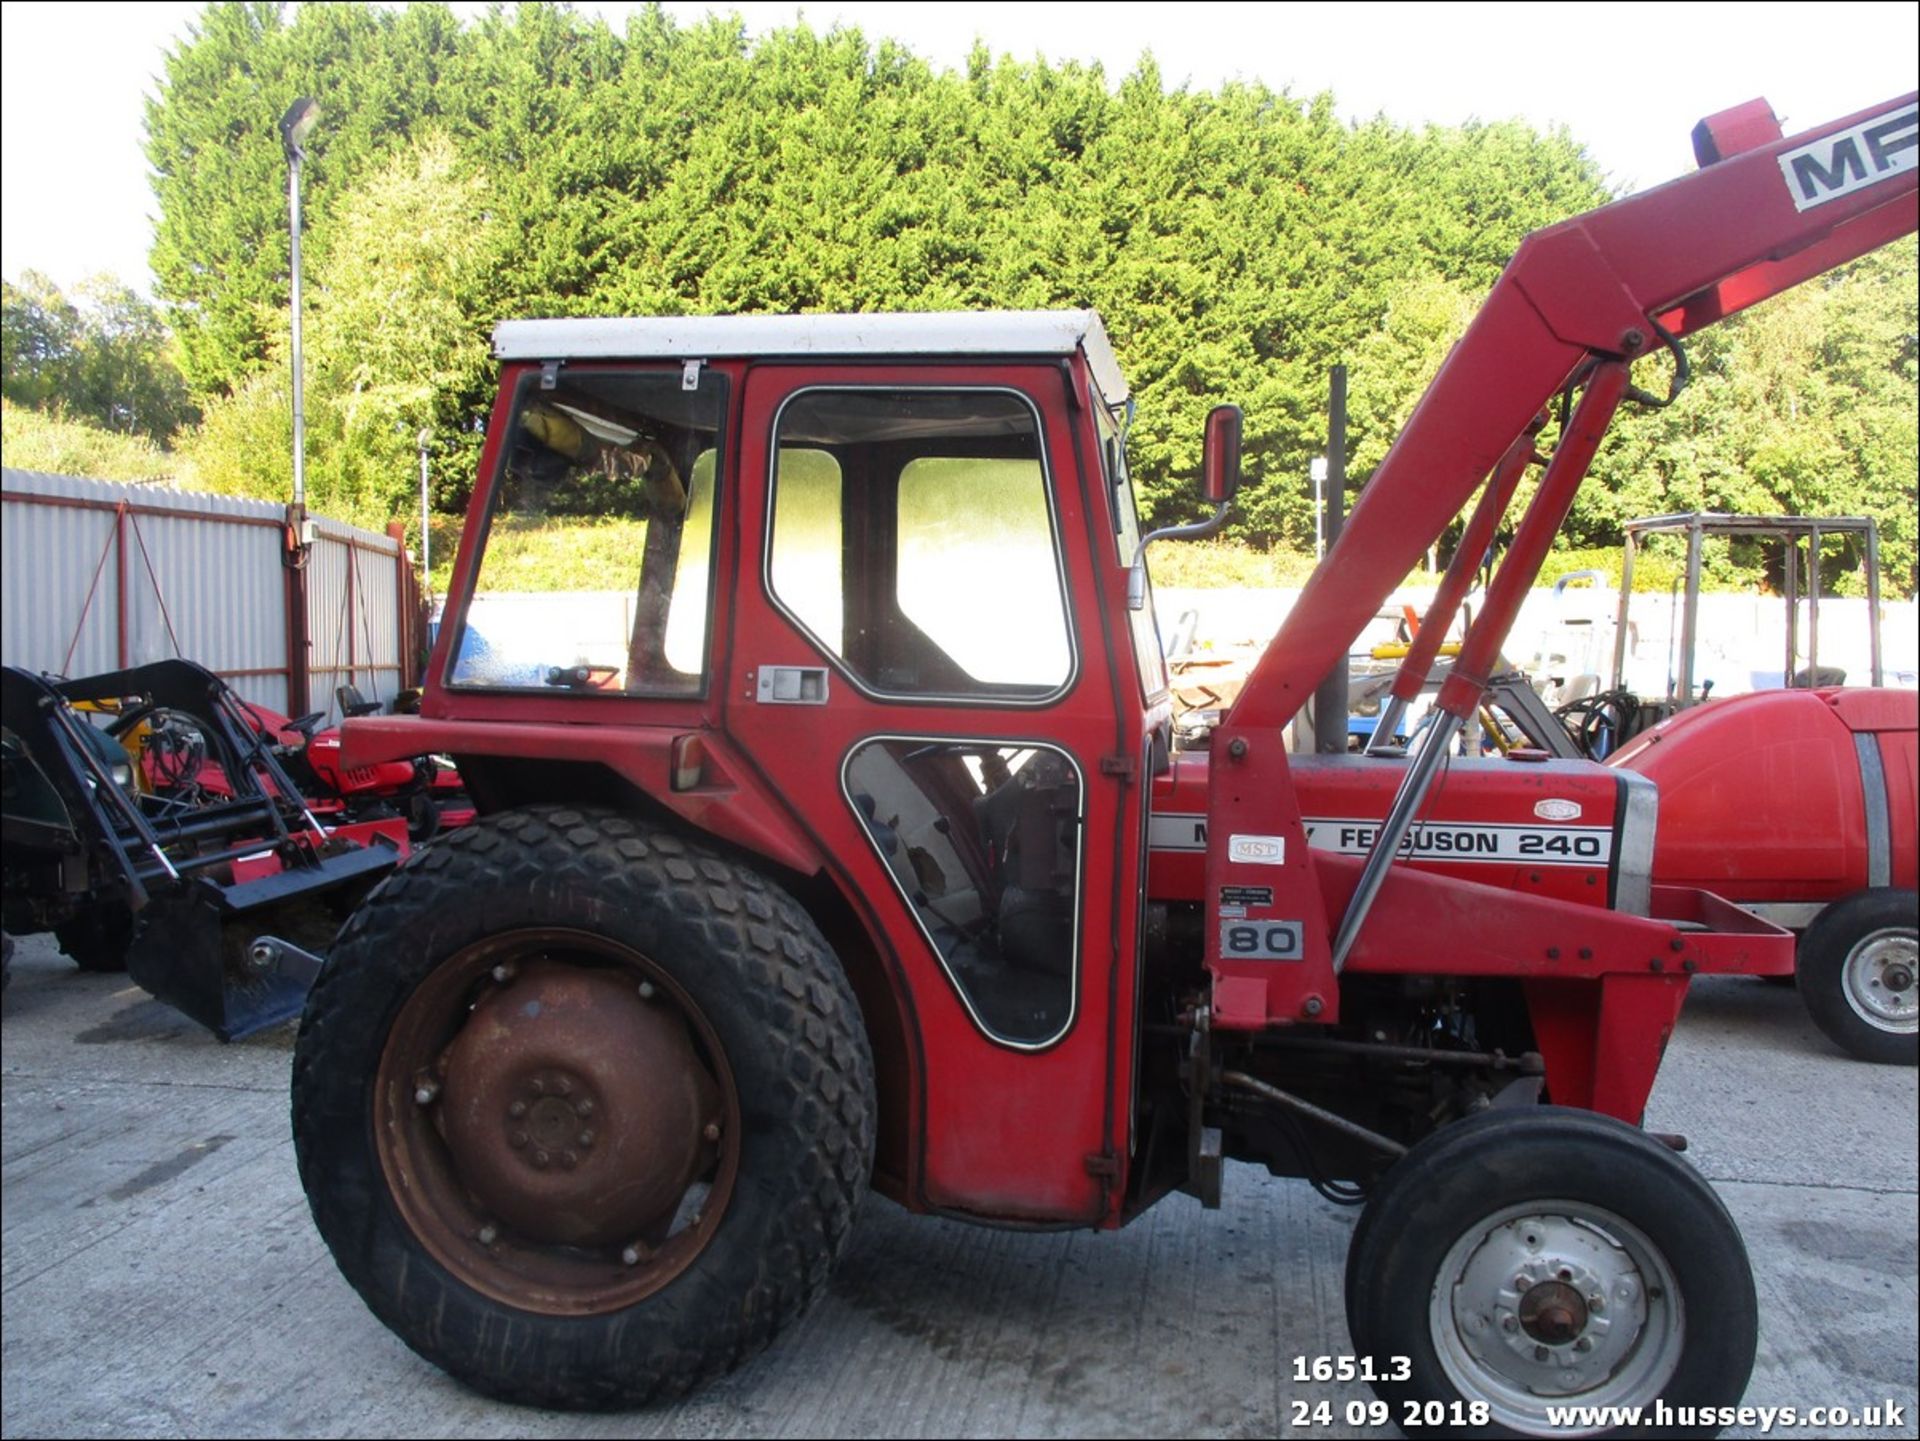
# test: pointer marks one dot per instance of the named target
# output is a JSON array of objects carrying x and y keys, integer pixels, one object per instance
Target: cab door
[{"x": 922, "y": 663}]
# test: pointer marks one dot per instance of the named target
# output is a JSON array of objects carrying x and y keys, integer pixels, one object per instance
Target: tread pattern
[{"x": 799, "y": 1051}]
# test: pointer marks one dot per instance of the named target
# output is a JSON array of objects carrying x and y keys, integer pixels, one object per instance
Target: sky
[{"x": 1628, "y": 79}]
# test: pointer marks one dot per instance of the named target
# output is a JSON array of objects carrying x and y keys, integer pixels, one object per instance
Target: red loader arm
[{"x": 1576, "y": 305}]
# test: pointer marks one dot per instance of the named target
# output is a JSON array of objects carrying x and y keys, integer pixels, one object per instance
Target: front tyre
[
  {"x": 1523, "y": 1261},
  {"x": 1857, "y": 966},
  {"x": 582, "y": 1109}
]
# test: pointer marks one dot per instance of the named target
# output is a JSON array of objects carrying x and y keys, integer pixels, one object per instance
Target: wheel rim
[
  {"x": 1548, "y": 1303},
  {"x": 1879, "y": 981},
  {"x": 557, "y": 1122}
]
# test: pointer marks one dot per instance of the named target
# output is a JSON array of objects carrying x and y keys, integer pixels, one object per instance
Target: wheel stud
[
  {"x": 505, "y": 972},
  {"x": 636, "y": 1253},
  {"x": 487, "y": 1234},
  {"x": 646, "y": 990},
  {"x": 712, "y": 1131},
  {"x": 425, "y": 1094}
]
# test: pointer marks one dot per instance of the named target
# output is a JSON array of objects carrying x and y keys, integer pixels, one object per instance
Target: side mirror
[
  {"x": 1220, "y": 455},
  {"x": 1219, "y": 478}
]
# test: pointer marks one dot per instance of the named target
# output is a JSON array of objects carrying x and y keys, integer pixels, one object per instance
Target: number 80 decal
[{"x": 1260, "y": 940}]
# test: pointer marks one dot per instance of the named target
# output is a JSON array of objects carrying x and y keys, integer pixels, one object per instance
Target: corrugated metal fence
[{"x": 95, "y": 576}]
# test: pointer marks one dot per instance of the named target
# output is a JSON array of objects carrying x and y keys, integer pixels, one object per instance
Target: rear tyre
[
  {"x": 1857, "y": 967},
  {"x": 99, "y": 937},
  {"x": 1537, "y": 1258},
  {"x": 583, "y": 1110}
]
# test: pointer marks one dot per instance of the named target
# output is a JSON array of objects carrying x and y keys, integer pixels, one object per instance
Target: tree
[{"x": 104, "y": 357}]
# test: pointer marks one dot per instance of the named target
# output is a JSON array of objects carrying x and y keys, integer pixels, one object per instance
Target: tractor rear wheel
[
  {"x": 1529, "y": 1259},
  {"x": 1857, "y": 965},
  {"x": 583, "y": 1110}
]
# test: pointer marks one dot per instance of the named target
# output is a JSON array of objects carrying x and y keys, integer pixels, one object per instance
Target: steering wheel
[{"x": 307, "y": 724}]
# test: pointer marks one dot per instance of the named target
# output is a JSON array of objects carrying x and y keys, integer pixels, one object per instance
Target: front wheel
[
  {"x": 1526, "y": 1261},
  {"x": 1857, "y": 966},
  {"x": 582, "y": 1109}
]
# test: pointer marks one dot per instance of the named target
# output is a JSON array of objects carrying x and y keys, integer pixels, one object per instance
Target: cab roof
[{"x": 927, "y": 335}]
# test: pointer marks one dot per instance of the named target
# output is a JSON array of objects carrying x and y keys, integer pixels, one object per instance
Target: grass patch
[
  {"x": 41, "y": 440},
  {"x": 542, "y": 553}
]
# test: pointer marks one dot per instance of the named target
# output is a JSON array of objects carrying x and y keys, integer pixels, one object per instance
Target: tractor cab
[{"x": 870, "y": 615}]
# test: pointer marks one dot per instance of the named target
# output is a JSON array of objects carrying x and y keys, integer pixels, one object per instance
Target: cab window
[
  {"x": 914, "y": 541},
  {"x": 595, "y": 572}
]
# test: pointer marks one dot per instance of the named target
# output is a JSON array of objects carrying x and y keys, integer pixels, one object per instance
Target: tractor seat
[{"x": 352, "y": 703}]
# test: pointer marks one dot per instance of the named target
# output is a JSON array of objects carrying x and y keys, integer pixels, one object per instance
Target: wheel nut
[
  {"x": 487, "y": 1235},
  {"x": 425, "y": 1094},
  {"x": 1585, "y": 1343},
  {"x": 636, "y": 1253},
  {"x": 517, "y": 1109},
  {"x": 1507, "y": 1323},
  {"x": 646, "y": 990},
  {"x": 537, "y": 1086},
  {"x": 517, "y": 1139},
  {"x": 584, "y": 1140},
  {"x": 562, "y": 1086},
  {"x": 569, "y": 1159},
  {"x": 712, "y": 1131},
  {"x": 1541, "y": 1353},
  {"x": 503, "y": 972},
  {"x": 583, "y": 1107},
  {"x": 1596, "y": 1303},
  {"x": 541, "y": 1160}
]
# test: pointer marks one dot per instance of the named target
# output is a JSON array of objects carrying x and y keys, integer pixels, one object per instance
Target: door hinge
[
  {"x": 1103, "y": 1164},
  {"x": 1125, "y": 767}
]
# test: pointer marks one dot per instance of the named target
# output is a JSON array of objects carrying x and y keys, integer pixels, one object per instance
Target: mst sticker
[
  {"x": 1853, "y": 159},
  {"x": 1463, "y": 841},
  {"x": 1244, "y": 940},
  {"x": 1257, "y": 850},
  {"x": 1555, "y": 809}
]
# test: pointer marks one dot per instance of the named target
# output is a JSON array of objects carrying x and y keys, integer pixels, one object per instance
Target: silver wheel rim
[
  {"x": 1555, "y": 1303},
  {"x": 1879, "y": 981}
]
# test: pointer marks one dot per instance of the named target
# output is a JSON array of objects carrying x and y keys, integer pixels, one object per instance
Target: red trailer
[{"x": 823, "y": 858}]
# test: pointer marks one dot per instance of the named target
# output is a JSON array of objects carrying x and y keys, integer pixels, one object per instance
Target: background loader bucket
[{"x": 196, "y": 949}]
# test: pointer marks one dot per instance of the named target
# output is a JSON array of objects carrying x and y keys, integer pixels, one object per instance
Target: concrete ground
[{"x": 160, "y": 1275}]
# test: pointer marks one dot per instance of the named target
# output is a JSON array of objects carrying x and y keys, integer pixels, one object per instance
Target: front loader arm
[
  {"x": 1683, "y": 255},
  {"x": 1576, "y": 305}
]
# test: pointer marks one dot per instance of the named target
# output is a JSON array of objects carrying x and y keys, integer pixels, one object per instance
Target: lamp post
[
  {"x": 426, "y": 560},
  {"x": 295, "y": 126},
  {"x": 1317, "y": 468}
]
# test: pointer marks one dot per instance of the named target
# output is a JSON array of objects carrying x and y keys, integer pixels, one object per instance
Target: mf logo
[{"x": 1851, "y": 160}]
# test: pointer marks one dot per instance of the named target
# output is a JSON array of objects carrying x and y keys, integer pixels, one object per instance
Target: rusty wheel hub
[
  {"x": 557, "y": 1121},
  {"x": 1553, "y": 1312}
]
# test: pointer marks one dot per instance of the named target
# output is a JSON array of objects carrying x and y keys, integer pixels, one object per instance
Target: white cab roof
[{"x": 926, "y": 335}]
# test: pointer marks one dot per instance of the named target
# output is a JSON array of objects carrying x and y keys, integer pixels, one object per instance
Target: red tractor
[{"x": 848, "y": 850}]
